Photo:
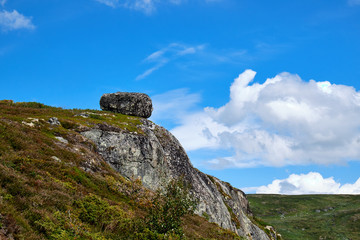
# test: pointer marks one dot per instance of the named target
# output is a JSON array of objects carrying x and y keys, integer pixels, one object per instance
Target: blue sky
[{"x": 262, "y": 94}]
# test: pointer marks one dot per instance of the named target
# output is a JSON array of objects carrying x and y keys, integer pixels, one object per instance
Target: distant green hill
[{"x": 310, "y": 216}]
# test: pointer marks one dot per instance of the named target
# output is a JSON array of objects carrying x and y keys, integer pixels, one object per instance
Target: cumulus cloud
[
  {"x": 283, "y": 121},
  {"x": 311, "y": 183},
  {"x": 170, "y": 53},
  {"x": 14, "y": 21}
]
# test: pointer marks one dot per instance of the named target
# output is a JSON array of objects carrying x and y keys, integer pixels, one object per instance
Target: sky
[{"x": 262, "y": 94}]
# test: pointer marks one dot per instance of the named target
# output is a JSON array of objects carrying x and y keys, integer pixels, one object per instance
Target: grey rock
[
  {"x": 134, "y": 104},
  {"x": 156, "y": 157},
  {"x": 56, "y": 159},
  {"x": 83, "y": 115},
  {"x": 54, "y": 121},
  {"x": 63, "y": 140}
]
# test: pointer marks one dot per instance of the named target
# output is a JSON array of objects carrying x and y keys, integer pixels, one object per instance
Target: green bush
[
  {"x": 101, "y": 214},
  {"x": 169, "y": 206},
  {"x": 92, "y": 209}
]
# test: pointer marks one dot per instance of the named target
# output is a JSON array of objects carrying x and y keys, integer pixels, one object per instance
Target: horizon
[{"x": 264, "y": 95}]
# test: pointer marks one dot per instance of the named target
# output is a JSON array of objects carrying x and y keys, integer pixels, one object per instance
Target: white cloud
[
  {"x": 170, "y": 53},
  {"x": 2, "y": 2},
  {"x": 14, "y": 21},
  {"x": 148, "y": 72},
  {"x": 283, "y": 121},
  {"x": 146, "y": 6},
  {"x": 311, "y": 183},
  {"x": 173, "y": 104},
  {"x": 110, "y": 3},
  {"x": 198, "y": 131}
]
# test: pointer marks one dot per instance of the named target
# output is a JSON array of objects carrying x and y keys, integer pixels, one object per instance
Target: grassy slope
[
  {"x": 55, "y": 190},
  {"x": 310, "y": 216}
]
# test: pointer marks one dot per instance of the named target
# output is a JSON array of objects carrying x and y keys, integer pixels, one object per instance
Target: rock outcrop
[
  {"x": 134, "y": 104},
  {"x": 54, "y": 121},
  {"x": 153, "y": 154}
]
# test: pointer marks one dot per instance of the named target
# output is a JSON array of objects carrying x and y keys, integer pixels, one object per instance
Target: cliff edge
[{"x": 155, "y": 156}]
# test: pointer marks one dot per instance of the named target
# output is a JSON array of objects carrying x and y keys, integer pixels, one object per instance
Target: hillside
[
  {"x": 310, "y": 216},
  {"x": 54, "y": 184}
]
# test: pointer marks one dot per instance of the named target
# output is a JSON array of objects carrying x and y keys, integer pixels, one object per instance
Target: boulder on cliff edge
[{"x": 134, "y": 104}]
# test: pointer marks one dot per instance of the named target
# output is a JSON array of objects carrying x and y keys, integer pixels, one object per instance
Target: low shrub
[{"x": 169, "y": 206}]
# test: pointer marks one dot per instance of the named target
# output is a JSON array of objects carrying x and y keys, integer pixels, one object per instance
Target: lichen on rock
[{"x": 127, "y": 103}]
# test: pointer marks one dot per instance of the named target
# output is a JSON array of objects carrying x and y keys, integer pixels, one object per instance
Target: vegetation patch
[
  {"x": 169, "y": 206},
  {"x": 309, "y": 216},
  {"x": 223, "y": 193},
  {"x": 234, "y": 218}
]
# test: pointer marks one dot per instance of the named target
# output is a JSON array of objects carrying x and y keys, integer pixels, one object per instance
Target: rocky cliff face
[{"x": 153, "y": 154}]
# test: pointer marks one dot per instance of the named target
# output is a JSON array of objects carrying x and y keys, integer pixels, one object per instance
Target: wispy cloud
[
  {"x": 311, "y": 183},
  {"x": 148, "y": 72},
  {"x": 146, "y": 6},
  {"x": 205, "y": 55},
  {"x": 174, "y": 104},
  {"x": 14, "y": 21},
  {"x": 2, "y": 2},
  {"x": 283, "y": 121},
  {"x": 110, "y": 3},
  {"x": 165, "y": 55},
  {"x": 354, "y": 2}
]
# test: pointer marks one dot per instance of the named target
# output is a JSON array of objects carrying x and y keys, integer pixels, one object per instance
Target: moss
[
  {"x": 206, "y": 216},
  {"x": 262, "y": 225},
  {"x": 219, "y": 188},
  {"x": 223, "y": 193},
  {"x": 129, "y": 123},
  {"x": 234, "y": 218},
  {"x": 212, "y": 179}
]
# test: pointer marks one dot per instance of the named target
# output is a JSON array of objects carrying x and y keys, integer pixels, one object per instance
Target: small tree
[{"x": 169, "y": 205}]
